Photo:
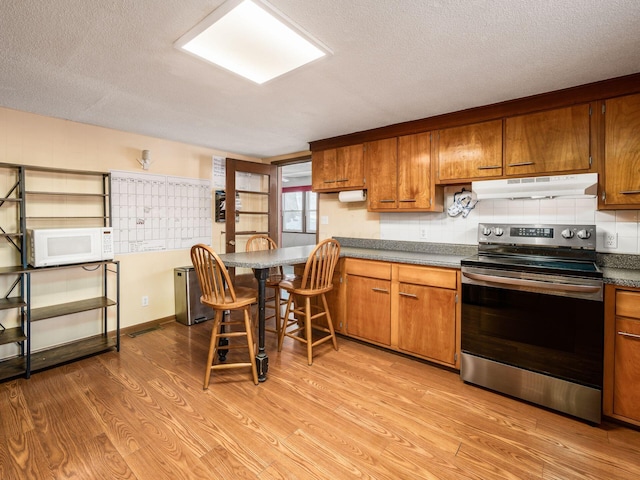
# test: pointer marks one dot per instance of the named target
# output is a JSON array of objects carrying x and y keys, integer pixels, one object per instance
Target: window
[{"x": 299, "y": 208}]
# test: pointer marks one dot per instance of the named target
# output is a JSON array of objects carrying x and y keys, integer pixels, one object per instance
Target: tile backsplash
[{"x": 441, "y": 228}]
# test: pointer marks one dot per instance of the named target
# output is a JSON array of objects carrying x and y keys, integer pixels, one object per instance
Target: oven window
[{"x": 558, "y": 336}]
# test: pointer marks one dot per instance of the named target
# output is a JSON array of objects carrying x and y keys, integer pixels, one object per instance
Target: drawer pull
[
  {"x": 490, "y": 167},
  {"x": 521, "y": 164},
  {"x": 630, "y": 192},
  {"x": 410, "y": 295},
  {"x": 387, "y": 200},
  {"x": 380, "y": 290},
  {"x": 329, "y": 181},
  {"x": 342, "y": 180},
  {"x": 409, "y": 200},
  {"x": 630, "y": 335}
]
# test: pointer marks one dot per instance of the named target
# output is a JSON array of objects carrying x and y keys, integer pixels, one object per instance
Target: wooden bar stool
[
  {"x": 276, "y": 275},
  {"x": 219, "y": 293},
  {"x": 315, "y": 282}
]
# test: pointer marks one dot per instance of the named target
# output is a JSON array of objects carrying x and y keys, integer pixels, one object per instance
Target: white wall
[{"x": 352, "y": 220}]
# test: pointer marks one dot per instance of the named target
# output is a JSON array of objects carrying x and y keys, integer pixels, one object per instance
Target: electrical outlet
[
  {"x": 145, "y": 301},
  {"x": 611, "y": 240},
  {"x": 324, "y": 220},
  {"x": 423, "y": 233}
]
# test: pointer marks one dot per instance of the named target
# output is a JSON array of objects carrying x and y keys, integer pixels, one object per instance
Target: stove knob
[
  {"x": 498, "y": 231},
  {"x": 584, "y": 234},
  {"x": 568, "y": 233},
  {"x": 486, "y": 231}
]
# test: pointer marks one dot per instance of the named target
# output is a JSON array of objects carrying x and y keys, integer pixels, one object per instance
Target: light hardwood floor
[{"x": 356, "y": 413}]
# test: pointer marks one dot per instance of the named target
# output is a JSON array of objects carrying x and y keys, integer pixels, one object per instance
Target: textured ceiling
[{"x": 113, "y": 63}]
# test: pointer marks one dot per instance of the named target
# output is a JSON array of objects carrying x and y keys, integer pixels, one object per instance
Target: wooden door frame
[{"x": 232, "y": 166}]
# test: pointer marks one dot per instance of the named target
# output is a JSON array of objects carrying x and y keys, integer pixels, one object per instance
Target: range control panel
[{"x": 574, "y": 236}]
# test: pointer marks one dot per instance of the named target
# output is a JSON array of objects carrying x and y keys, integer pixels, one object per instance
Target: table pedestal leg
[{"x": 262, "y": 361}]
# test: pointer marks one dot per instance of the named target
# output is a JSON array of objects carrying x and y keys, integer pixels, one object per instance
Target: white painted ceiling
[{"x": 112, "y": 63}]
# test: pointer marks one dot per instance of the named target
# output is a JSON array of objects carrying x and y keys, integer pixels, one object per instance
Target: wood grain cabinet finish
[
  {"x": 399, "y": 175},
  {"x": 622, "y": 354},
  {"x": 469, "y": 152},
  {"x": 369, "y": 301},
  {"x": 554, "y": 141},
  {"x": 427, "y": 300},
  {"x": 622, "y": 152},
  {"x": 338, "y": 169},
  {"x": 407, "y": 308}
]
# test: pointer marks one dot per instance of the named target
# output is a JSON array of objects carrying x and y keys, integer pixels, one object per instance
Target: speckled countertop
[{"x": 622, "y": 270}]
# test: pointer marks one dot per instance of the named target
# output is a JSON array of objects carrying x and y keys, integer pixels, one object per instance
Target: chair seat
[
  {"x": 244, "y": 296},
  {"x": 294, "y": 285}
]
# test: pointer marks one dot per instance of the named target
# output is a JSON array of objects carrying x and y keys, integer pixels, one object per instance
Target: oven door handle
[{"x": 567, "y": 287}]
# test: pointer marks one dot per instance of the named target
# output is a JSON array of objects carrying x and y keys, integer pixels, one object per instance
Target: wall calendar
[{"x": 158, "y": 212}]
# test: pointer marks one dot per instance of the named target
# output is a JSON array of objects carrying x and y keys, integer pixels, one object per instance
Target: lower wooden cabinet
[
  {"x": 622, "y": 354},
  {"x": 368, "y": 297},
  {"x": 427, "y": 312},
  {"x": 411, "y": 309}
]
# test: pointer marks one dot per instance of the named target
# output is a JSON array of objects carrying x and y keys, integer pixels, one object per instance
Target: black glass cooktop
[{"x": 535, "y": 264}]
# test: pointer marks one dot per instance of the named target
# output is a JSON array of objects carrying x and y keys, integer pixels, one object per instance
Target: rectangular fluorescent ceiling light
[{"x": 250, "y": 38}]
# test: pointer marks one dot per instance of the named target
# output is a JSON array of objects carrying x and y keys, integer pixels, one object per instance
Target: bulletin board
[{"x": 157, "y": 212}]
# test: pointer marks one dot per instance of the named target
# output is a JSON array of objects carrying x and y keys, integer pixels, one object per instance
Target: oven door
[{"x": 551, "y": 325}]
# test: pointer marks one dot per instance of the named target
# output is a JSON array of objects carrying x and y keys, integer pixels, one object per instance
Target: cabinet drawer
[
  {"x": 628, "y": 304},
  {"x": 429, "y": 276},
  {"x": 369, "y": 268}
]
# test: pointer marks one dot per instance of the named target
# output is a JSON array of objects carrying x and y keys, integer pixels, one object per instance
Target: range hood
[{"x": 584, "y": 185}]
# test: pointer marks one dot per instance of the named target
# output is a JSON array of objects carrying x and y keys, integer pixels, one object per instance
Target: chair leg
[
  {"x": 252, "y": 354},
  {"x": 308, "y": 330},
  {"x": 277, "y": 313},
  {"x": 213, "y": 347},
  {"x": 329, "y": 322},
  {"x": 285, "y": 320}
]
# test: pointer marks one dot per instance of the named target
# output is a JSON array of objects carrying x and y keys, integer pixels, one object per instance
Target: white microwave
[{"x": 62, "y": 246}]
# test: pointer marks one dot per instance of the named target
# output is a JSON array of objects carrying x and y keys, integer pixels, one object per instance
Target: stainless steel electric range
[{"x": 533, "y": 316}]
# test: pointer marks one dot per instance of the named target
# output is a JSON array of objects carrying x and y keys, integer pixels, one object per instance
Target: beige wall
[
  {"x": 37, "y": 140},
  {"x": 346, "y": 219}
]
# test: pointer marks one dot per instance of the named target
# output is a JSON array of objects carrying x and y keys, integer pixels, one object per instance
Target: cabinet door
[
  {"x": 381, "y": 160},
  {"x": 337, "y": 169},
  {"x": 350, "y": 167},
  {"x": 323, "y": 169},
  {"x": 426, "y": 322},
  {"x": 369, "y": 309},
  {"x": 469, "y": 152},
  {"x": 415, "y": 188},
  {"x": 548, "y": 142},
  {"x": 622, "y": 151},
  {"x": 626, "y": 389}
]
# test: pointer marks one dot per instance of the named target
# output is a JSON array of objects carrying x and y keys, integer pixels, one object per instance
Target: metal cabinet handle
[
  {"x": 630, "y": 192},
  {"x": 409, "y": 200},
  {"x": 342, "y": 180},
  {"x": 490, "y": 167},
  {"x": 630, "y": 335},
  {"x": 380, "y": 290},
  {"x": 410, "y": 295},
  {"x": 387, "y": 200},
  {"x": 329, "y": 181},
  {"x": 521, "y": 164}
]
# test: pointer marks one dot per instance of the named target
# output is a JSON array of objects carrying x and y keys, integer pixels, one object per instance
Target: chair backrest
[
  {"x": 212, "y": 275},
  {"x": 318, "y": 271},
  {"x": 260, "y": 242}
]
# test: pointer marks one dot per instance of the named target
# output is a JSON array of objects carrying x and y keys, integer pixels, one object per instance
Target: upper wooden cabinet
[
  {"x": 469, "y": 152},
  {"x": 399, "y": 175},
  {"x": 622, "y": 152},
  {"x": 554, "y": 141},
  {"x": 338, "y": 169}
]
